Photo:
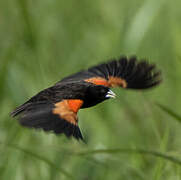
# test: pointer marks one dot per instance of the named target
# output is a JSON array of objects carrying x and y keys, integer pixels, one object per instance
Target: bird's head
[
  {"x": 101, "y": 92},
  {"x": 97, "y": 94}
]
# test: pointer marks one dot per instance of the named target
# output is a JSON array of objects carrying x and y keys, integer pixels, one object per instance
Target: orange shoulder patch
[
  {"x": 98, "y": 81},
  {"x": 111, "y": 82},
  {"x": 67, "y": 110},
  {"x": 75, "y": 104}
]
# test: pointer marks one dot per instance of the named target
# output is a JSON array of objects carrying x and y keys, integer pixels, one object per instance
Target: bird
[{"x": 55, "y": 108}]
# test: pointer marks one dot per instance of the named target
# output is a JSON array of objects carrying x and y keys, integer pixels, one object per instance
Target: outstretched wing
[
  {"x": 60, "y": 117},
  {"x": 126, "y": 73}
]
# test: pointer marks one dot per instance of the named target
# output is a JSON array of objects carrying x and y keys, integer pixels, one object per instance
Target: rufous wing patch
[
  {"x": 98, "y": 81},
  {"x": 111, "y": 82},
  {"x": 67, "y": 110},
  {"x": 116, "y": 82}
]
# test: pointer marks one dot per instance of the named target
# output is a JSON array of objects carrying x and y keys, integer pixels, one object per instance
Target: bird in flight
[{"x": 55, "y": 108}]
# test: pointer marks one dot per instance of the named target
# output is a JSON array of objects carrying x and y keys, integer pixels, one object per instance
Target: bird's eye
[{"x": 103, "y": 91}]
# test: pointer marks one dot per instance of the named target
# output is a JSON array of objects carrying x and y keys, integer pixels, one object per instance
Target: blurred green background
[{"x": 43, "y": 41}]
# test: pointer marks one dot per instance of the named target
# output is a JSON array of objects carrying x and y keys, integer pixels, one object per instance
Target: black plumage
[{"x": 55, "y": 108}]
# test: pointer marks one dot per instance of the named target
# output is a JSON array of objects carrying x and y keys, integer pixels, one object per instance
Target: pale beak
[{"x": 110, "y": 94}]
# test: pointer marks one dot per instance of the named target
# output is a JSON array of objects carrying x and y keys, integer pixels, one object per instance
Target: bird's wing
[
  {"x": 60, "y": 117},
  {"x": 126, "y": 73}
]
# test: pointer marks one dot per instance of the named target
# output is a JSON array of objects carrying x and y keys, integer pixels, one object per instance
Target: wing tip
[
  {"x": 139, "y": 74},
  {"x": 19, "y": 109},
  {"x": 71, "y": 130}
]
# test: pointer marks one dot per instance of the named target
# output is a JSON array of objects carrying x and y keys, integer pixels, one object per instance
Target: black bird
[{"x": 55, "y": 108}]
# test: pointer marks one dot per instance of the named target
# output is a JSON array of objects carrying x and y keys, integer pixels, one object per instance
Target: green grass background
[{"x": 128, "y": 138}]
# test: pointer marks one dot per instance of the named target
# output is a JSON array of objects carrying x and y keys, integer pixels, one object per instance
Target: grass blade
[
  {"x": 170, "y": 112},
  {"x": 141, "y": 23},
  {"x": 47, "y": 161},
  {"x": 128, "y": 151}
]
